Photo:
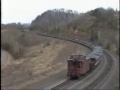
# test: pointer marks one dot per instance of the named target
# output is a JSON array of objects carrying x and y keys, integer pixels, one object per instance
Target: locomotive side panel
[{"x": 86, "y": 67}]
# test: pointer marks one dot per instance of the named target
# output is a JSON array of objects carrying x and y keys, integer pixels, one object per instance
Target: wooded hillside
[{"x": 99, "y": 25}]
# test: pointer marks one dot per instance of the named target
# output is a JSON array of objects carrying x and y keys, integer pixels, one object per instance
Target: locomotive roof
[
  {"x": 96, "y": 53},
  {"x": 77, "y": 58}
]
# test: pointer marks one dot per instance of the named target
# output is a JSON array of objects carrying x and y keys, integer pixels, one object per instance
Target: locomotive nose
[{"x": 73, "y": 70}]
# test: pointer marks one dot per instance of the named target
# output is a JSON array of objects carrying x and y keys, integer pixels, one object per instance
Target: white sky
[{"x": 25, "y": 11}]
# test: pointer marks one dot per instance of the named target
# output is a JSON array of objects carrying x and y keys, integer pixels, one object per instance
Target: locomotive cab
[{"x": 75, "y": 65}]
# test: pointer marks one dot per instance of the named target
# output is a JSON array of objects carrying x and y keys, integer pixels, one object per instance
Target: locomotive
[{"x": 79, "y": 65}]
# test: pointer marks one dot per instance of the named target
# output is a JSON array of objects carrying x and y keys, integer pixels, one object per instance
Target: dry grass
[
  {"x": 43, "y": 58},
  {"x": 18, "y": 41}
]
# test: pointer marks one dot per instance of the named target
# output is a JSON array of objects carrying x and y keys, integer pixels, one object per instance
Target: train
[{"x": 79, "y": 65}]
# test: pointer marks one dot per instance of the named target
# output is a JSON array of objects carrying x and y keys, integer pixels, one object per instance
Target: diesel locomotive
[{"x": 79, "y": 65}]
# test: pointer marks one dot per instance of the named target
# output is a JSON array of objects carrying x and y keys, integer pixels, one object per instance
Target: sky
[{"x": 24, "y": 11}]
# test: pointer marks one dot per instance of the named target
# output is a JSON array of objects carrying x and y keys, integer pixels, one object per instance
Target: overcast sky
[{"x": 25, "y": 11}]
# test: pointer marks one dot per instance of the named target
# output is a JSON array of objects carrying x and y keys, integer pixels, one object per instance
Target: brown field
[{"x": 42, "y": 58}]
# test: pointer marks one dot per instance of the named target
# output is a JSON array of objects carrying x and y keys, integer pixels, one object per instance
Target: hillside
[
  {"x": 42, "y": 57},
  {"x": 53, "y": 19},
  {"x": 100, "y": 26},
  {"x": 36, "y": 58}
]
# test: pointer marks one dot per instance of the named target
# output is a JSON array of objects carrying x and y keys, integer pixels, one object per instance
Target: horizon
[{"x": 15, "y": 11}]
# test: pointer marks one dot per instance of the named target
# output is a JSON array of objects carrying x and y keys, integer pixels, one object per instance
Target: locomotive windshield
[
  {"x": 75, "y": 64},
  {"x": 72, "y": 63}
]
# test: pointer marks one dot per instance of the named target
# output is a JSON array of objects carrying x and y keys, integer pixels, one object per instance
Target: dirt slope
[
  {"x": 39, "y": 62},
  {"x": 5, "y": 59}
]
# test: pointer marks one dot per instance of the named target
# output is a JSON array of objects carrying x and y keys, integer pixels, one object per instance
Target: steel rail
[
  {"x": 90, "y": 46},
  {"x": 103, "y": 75}
]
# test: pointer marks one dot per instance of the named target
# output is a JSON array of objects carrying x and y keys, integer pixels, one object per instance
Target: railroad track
[
  {"x": 104, "y": 73},
  {"x": 92, "y": 82},
  {"x": 98, "y": 76}
]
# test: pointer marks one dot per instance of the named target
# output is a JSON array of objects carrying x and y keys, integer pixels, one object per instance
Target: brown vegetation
[
  {"x": 41, "y": 59},
  {"x": 98, "y": 25},
  {"x": 16, "y": 42}
]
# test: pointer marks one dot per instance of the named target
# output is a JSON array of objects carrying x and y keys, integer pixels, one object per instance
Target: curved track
[
  {"x": 109, "y": 63},
  {"x": 92, "y": 83},
  {"x": 92, "y": 80}
]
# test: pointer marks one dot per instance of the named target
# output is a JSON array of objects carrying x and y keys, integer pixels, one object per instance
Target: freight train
[{"x": 79, "y": 65}]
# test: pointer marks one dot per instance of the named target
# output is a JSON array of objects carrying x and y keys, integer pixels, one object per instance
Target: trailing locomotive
[{"x": 79, "y": 65}]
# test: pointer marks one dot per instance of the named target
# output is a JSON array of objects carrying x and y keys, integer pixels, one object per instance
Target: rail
[{"x": 91, "y": 46}]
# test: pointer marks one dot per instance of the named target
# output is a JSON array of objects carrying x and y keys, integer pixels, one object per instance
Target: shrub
[
  {"x": 46, "y": 44},
  {"x": 41, "y": 51},
  {"x": 117, "y": 51},
  {"x": 7, "y": 47},
  {"x": 108, "y": 46},
  {"x": 99, "y": 43},
  {"x": 16, "y": 55}
]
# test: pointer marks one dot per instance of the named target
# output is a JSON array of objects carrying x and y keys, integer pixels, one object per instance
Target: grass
[{"x": 16, "y": 41}]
